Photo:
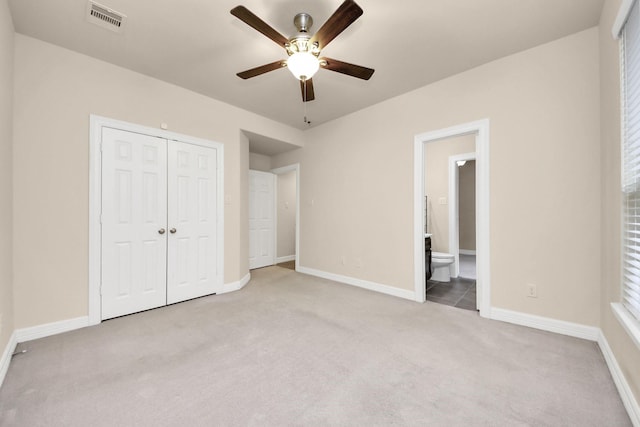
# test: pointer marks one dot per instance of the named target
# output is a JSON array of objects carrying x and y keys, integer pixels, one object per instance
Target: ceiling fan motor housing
[{"x": 303, "y": 21}]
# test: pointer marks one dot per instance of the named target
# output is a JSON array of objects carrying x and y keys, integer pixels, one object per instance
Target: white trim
[
  {"x": 6, "y": 356},
  {"x": 624, "y": 389},
  {"x": 467, "y": 251},
  {"x": 53, "y": 328},
  {"x": 365, "y": 284},
  {"x": 287, "y": 258},
  {"x": 562, "y": 327},
  {"x": 628, "y": 322},
  {"x": 237, "y": 285},
  {"x": 96, "y": 123},
  {"x": 483, "y": 283},
  {"x": 280, "y": 171},
  {"x": 454, "y": 208},
  {"x": 621, "y": 18}
]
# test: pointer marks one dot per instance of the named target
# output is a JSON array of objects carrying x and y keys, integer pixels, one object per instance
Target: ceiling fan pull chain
[{"x": 304, "y": 102}]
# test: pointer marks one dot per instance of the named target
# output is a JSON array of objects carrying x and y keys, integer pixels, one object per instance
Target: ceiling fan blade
[
  {"x": 346, "y": 68},
  {"x": 344, "y": 16},
  {"x": 246, "y": 16},
  {"x": 306, "y": 87},
  {"x": 261, "y": 69}
]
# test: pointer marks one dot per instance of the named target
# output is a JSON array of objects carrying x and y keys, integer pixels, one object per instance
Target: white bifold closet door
[{"x": 158, "y": 222}]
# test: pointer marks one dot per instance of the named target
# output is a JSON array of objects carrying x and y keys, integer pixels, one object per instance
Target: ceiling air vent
[{"x": 105, "y": 17}]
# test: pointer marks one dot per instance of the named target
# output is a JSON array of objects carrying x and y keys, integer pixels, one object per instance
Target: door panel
[
  {"x": 134, "y": 200},
  {"x": 192, "y": 270},
  {"x": 261, "y": 219}
]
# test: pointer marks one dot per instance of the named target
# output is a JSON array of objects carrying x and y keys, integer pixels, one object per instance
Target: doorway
[
  {"x": 288, "y": 216},
  {"x": 274, "y": 217},
  {"x": 480, "y": 131}
]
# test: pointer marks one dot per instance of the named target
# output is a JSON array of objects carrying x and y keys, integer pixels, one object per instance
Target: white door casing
[
  {"x": 261, "y": 219},
  {"x": 192, "y": 270},
  {"x": 134, "y": 216},
  {"x": 481, "y": 129}
]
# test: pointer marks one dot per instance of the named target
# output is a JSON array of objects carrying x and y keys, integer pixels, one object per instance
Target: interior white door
[
  {"x": 261, "y": 219},
  {"x": 134, "y": 216},
  {"x": 192, "y": 270}
]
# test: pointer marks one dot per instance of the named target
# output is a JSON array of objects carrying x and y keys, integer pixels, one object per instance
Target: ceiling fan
[{"x": 303, "y": 49}]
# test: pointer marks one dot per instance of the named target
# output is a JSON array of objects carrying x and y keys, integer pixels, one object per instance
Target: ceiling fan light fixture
[{"x": 303, "y": 65}]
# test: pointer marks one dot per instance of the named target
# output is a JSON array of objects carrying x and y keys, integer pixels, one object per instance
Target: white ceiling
[{"x": 199, "y": 45}]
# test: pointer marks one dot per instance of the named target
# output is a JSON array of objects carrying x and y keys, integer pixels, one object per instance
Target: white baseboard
[
  {"x": 48, "y": 329},
  {"x": 6, "y": 356},
  {"x": 235, "y": 286},
  {"x": 285, "y": 258},
  {"x": 626, "y": 394},
  {"x": 577, "y": 330},
  {"x": 372, "y": 286},
  {"x": 467, "y": 251}
]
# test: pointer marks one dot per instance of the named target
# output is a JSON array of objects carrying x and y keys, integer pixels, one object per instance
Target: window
[{"x": 631, "y": 163}]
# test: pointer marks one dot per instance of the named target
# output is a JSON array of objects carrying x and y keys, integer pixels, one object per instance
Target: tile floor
[{"x": 460, "y": 293}]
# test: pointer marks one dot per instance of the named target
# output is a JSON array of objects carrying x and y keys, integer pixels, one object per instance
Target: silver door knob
[
  {"x": 161, "y": 231},
  {"x": 172, "y": 231}
]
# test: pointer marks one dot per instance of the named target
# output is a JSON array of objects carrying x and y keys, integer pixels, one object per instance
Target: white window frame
[{"x": 629, "y": 322}]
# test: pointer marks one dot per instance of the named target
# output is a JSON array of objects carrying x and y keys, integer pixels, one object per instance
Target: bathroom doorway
[
  {"x": 436, "y": 200},
  {"x": 450, "y": 216}
]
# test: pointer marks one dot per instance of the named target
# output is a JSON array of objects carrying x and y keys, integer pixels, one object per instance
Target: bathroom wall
[
  {"x": 286, "y": 239},
  {"x": 467, "y": 206},
  {"x": 436, "y": 175}
]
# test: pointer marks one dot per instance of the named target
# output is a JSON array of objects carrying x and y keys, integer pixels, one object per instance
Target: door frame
[
  {"x": 454, "y": 207},
  {"x": 481, "y": 129},
  {"x": 279, "y": 171},
  {"x": 96, "y": 123}
]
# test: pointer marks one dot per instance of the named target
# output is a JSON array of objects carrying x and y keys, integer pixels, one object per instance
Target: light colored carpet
[{"x": 291, "y": 349}]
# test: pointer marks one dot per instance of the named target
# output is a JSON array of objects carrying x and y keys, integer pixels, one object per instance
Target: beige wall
[
  {"x": 286, "y": 239},
  {"x": 626, "y": 353},
  {"x": 259, "y": 162},
  {"x": 436, "y": 162},
  {"x": 55, "y": 91},
  {"x": 543, "y": 105},
  {"x": 467, "y": 206},
  {"x": 6, "y": 198}
]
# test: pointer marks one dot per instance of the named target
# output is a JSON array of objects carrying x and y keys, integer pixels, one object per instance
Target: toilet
[{"x": 441, "y": 266}]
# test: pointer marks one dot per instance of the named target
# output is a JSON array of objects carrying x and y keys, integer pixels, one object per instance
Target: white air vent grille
[{"x": 105, "y": 17}]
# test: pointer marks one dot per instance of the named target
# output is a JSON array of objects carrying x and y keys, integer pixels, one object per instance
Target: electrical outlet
[
  {"x": 532, "y": 291},
  {"x": 343, "y": 260}
]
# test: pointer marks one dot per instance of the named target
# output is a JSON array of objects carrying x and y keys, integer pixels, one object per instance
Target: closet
[{"x": 158, "y": 222}]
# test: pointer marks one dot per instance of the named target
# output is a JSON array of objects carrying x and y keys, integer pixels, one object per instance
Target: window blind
[{"x": 631, "y": 162}]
